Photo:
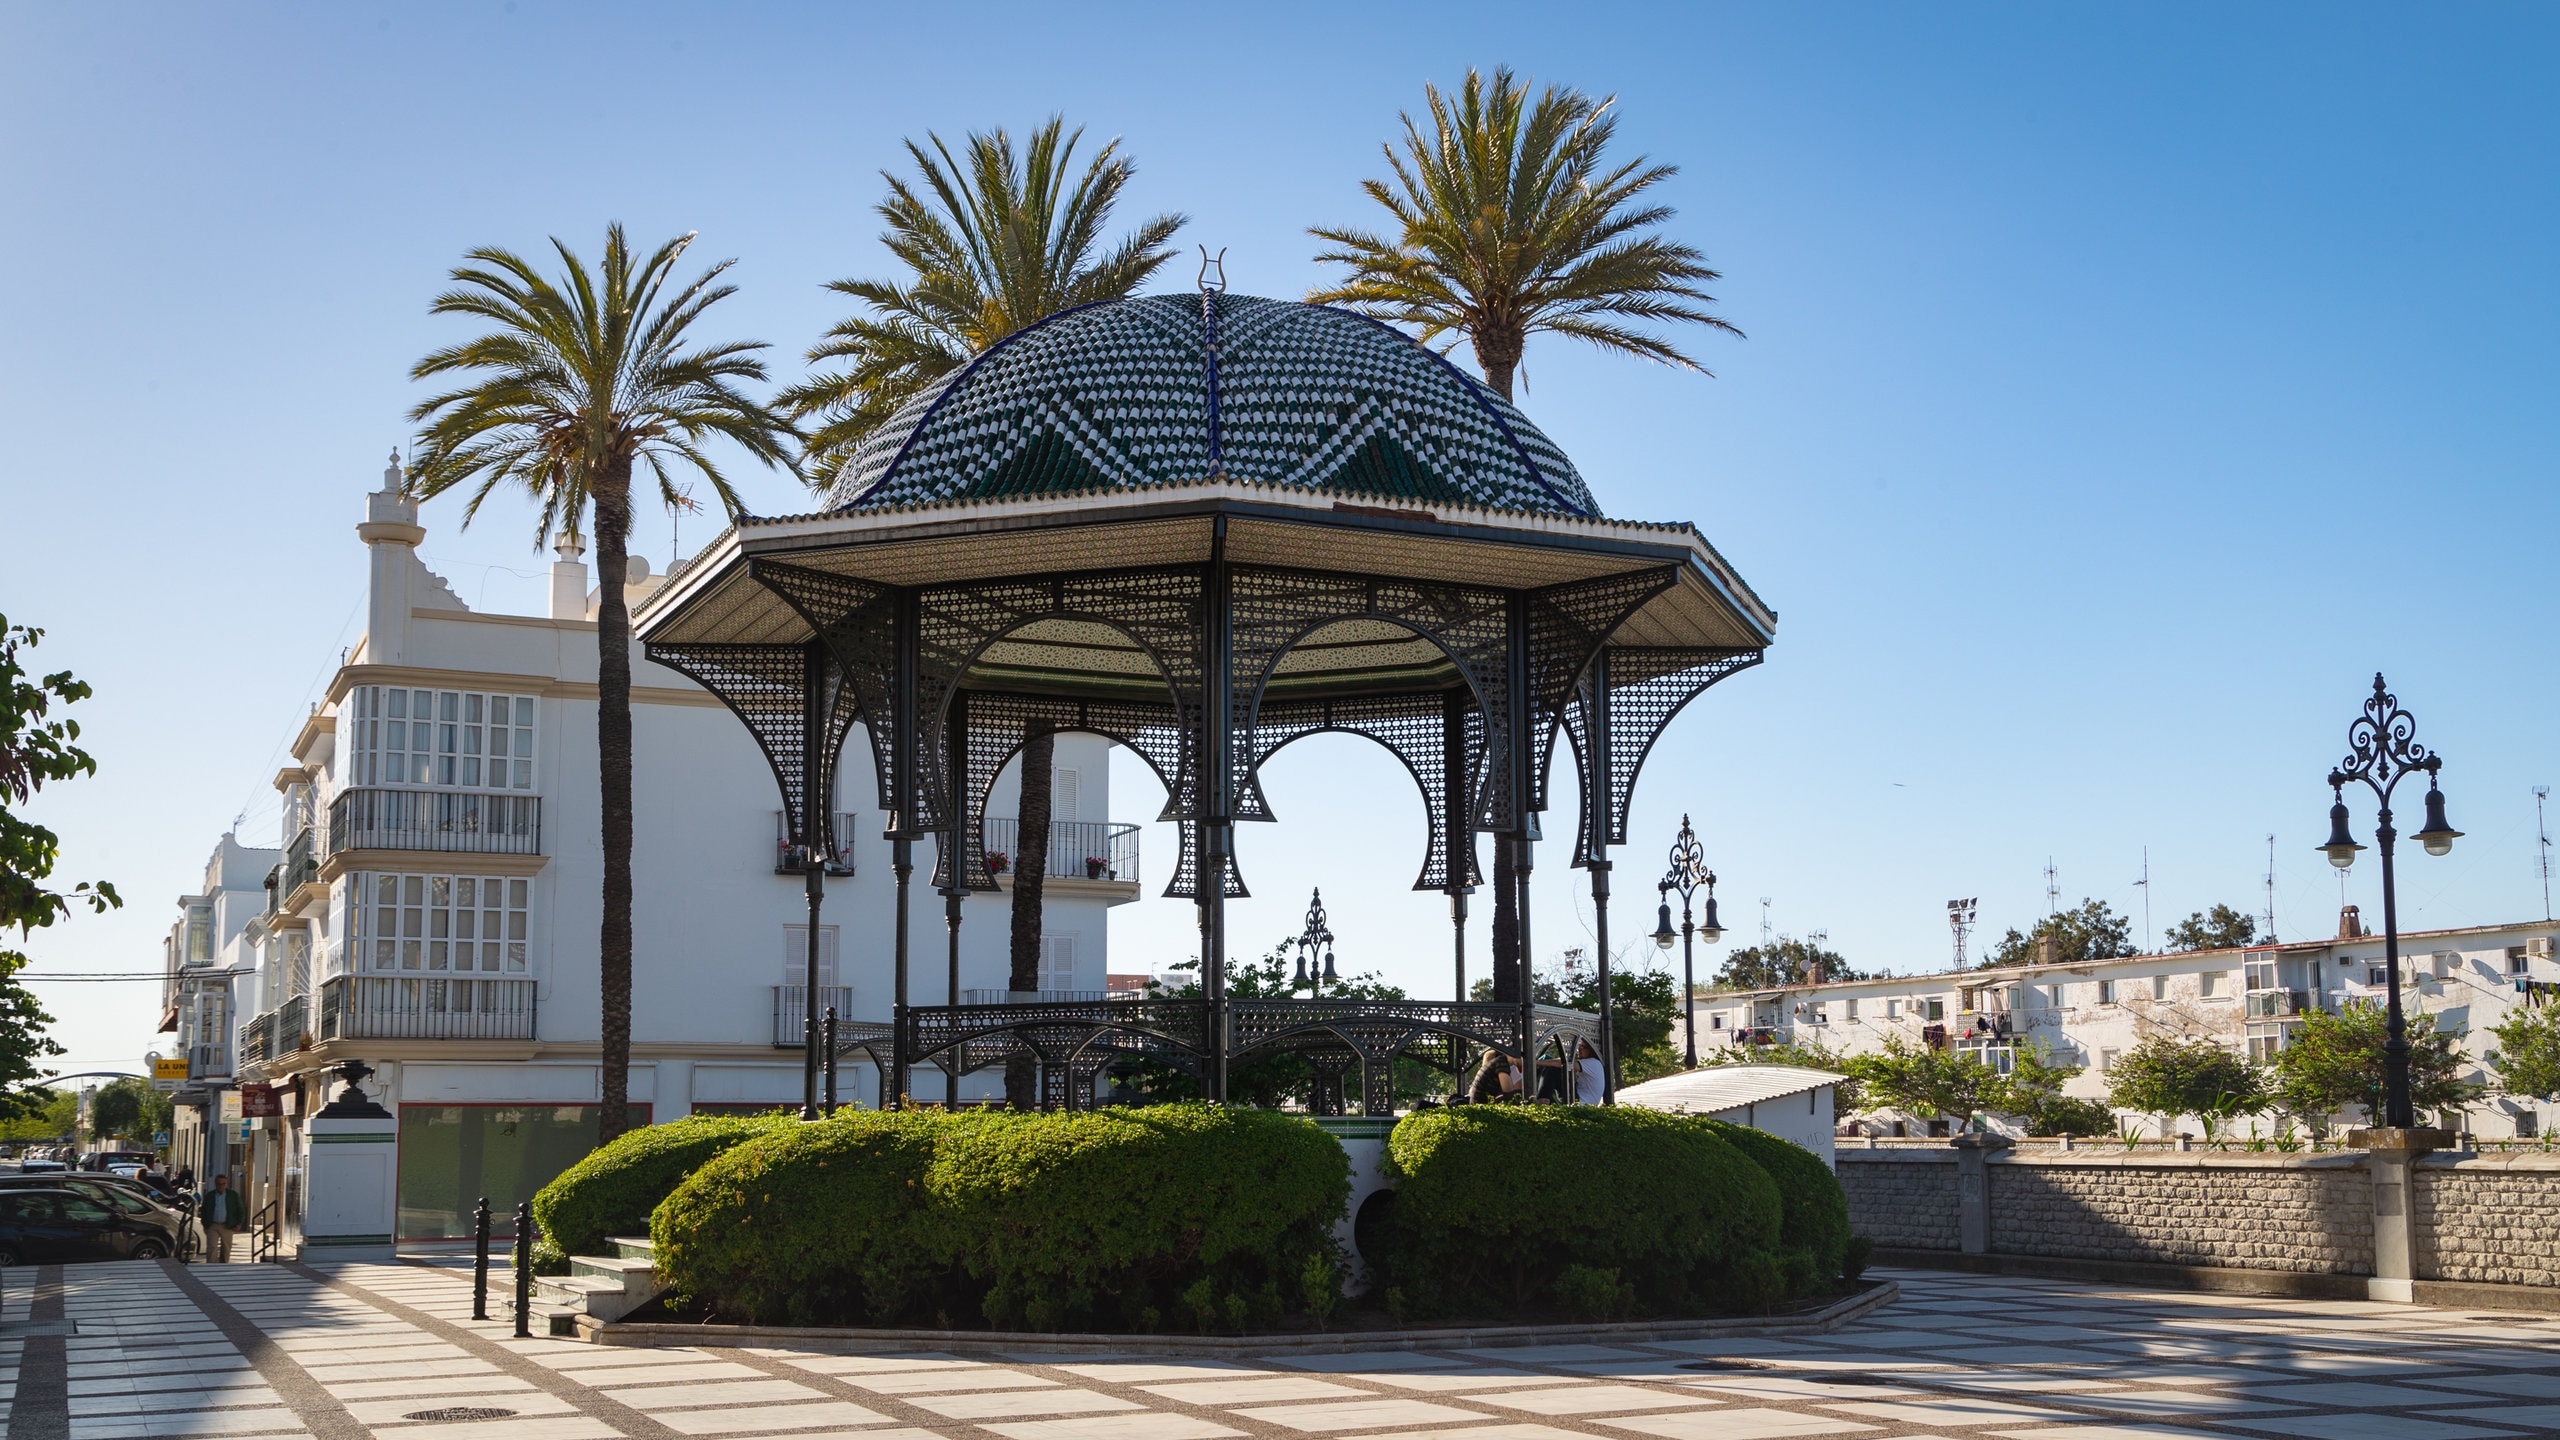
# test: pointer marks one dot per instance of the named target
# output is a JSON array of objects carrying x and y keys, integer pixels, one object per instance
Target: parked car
[
  {"x": 42, "y": 1166},
  {"x": 129, "y": 1198},
  {"x": 50, "y": 1227}
]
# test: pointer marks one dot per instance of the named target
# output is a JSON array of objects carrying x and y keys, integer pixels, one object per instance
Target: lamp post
[
  {"x": 1688, "y": 871},
  {"x": 2382, "y": 750},
  {"x": 1315, "y": 943}
]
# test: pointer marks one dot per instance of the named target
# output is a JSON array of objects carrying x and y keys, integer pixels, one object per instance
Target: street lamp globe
[
  {"x": 2439, "y": 836},
  {"x": 1711, "y": 931},
  {"x": 2342, "y": 846},
  {"x": 1663, "y": 934}
]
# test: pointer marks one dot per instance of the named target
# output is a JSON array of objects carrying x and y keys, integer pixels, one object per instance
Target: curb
[{"x": 999, "y": 1342}]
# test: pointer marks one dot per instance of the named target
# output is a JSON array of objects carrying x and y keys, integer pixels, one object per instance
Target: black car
[
  {"x": 51, "y": 1227},
  {"x": 130, "y": 1198}
]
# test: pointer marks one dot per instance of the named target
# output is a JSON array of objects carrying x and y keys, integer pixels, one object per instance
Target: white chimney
[
  {"x": 391, "y": 532},
  {"x": 569, "y": 578}
]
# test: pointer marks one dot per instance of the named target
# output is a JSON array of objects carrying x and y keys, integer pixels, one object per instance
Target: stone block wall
[
  {"x": 2308, "y": 1213},
  {"x": 2489, "y": 1218},
  {"x": 1901, "y": 1199}
]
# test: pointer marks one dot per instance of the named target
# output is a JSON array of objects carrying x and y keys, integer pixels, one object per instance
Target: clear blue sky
[{"x": 2124, "y": 387}]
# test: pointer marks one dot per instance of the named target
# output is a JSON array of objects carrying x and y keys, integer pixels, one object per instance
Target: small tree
[
  {"x": 43, "y": 1114},
  {"x": 2171, "y": 1078},
  {"x": 1784, "y": 961},
  {"x": 1849, "y": 1096},
  {"x": 2528, "y": 1055},
  {"x": 2033, "y": 1093},
  {"x": 2094, "y": 931},
  {"x": 1953, "y": 1085},
  {"x": 129, "y": 1109},
  {"x": 2335, "y": 1061},
  {"x": 35, "y": 749},
  {"x": 2221, "y": 928}
]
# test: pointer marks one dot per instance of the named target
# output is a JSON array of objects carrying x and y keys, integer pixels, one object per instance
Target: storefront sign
[
  {"x": 168, "y": 1074},
  {"x": 230, "y": 1107},
  {"x": 259, "y": 1102}
]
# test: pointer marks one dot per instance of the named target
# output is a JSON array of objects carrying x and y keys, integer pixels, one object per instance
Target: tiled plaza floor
[{"x": 276, "y": 1352}]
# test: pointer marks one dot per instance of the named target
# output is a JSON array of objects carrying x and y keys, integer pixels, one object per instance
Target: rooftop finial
[
  {"x": 391, "y": 473},
  {"x": 1220, "y": 264}
]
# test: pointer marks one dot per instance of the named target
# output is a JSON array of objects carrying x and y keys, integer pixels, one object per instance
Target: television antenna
[
  {"x": 2144, "y": 885},
  {"x": 1765, "y": 939},
  {"x": 2271, "y": 890},
  {"x": 1961, "y": 915},
  {"x": 2052, "y": 890},
  {"x": 2542, "y": 838}
]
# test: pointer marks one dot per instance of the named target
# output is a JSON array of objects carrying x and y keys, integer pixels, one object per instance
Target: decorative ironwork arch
[
  {"x": 1648, "y": 688},
  {"x": 1412, "y": 728}
]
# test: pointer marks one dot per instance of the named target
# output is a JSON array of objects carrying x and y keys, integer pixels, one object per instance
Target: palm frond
[
  {"x": 1506, "y": 222},
  {"x": 991, "y": 239}
]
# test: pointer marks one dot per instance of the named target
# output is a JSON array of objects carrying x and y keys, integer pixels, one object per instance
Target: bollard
[
  {"x": 831, "y": 1060},
  {"x": 480, "y": 1259},
  {"x": 524, "y": 1269}
]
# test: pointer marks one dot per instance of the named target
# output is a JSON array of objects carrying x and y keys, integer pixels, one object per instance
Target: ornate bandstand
[{"x": 1204, "y": 527}]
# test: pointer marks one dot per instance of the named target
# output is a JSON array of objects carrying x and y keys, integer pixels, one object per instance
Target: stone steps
[{"x": 600, "y": 1287}]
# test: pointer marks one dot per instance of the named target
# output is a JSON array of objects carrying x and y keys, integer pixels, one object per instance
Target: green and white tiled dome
[{"x": 1172, "y": 389}]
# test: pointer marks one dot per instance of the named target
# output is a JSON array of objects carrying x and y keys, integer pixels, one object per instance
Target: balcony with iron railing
[
  {"x": 453, "y": 822},
  {"x": 786, "y": 856},
  {"x": 791, "y": 1010},
  {"x": 1078, "y": 849},
  {"x": 1046, "y": 997},
  {"x": 2275, "y": 1004},
  {"x": 403, "y": 1007}
]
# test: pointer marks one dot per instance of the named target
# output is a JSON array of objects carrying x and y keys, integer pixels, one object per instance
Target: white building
[
  {"x": 214, "y": 942},
  {"x": 2252, "y": 999},
  {"x": 435, "y": 904}
]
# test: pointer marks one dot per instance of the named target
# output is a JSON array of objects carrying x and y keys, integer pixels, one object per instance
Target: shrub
[
  {"x": 1587, "y": 1293},
  {"x": 2069, "y": 1115},
  {"x": 613, "y": 1190},
  {"x": 1207, "y": 1215},
  {"x": 1813, "y": 1211},
  {"x": 1496, "y": 1201},
  {"x": 809, "y": 1224}
]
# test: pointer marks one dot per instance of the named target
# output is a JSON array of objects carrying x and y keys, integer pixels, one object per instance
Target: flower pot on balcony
[
  {"x": 998, "y": 862},
  {"x": 1096, "y": 868}
]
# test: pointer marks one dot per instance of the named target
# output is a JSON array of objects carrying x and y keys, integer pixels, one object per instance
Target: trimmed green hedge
[
  {"x": 1813, "y": 1211},
  {"x": 614, "y": 1189},
  {"x": 1170, "y": 1216},
  {"x": 1503, "y": 1207}
]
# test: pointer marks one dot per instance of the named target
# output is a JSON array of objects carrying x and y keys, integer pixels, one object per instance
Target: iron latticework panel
[
  {"x": 1186, "y": 870},
  {"x": 1647, "y": 687},
  {"x": 999, "y": 723},
  {"x": 1273, "y": 610},
  {"x": 1410, "y": 727},
  {"x": 858, "y": 623},
  {"x": 1162, "y": 610},
  {"x": 1567, "y": 626},
  {"x": 770, "y": 688}
]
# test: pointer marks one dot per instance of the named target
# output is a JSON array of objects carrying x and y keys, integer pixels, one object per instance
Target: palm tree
[
  {"x": 1507, "y": 225},
  {"x": 579, "y": 382},
  {"x": 1004, "y": 240}
]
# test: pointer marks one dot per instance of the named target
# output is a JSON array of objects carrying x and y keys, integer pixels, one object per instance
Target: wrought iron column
[
  {"x": 1459, "y": 821},
  {"x": 817, "y": 891},
  {"x": 812, "y": 840},
  {"x": 1595, "y": 799},
  {"x": 1217, "y": 798},
  {"x": 1523, "y": 748},
  {"x": 955, "y": 890},
  {"x": 902, "y": 863}
]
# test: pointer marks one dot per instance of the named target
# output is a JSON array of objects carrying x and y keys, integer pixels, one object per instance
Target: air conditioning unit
[{"x": 2538, "y": 948}]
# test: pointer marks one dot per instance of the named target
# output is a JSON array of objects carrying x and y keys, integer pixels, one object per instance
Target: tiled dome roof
[{"x": 1167, "y": 389}]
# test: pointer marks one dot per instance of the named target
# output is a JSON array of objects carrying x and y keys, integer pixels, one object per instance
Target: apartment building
[
  {"x": 2252, "y": 999},
  {"x": 213, "y": 944},
  {"x": 433, "y": 906}
]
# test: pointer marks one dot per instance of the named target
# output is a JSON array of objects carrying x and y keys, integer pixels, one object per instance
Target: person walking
[{"x": 224, "y": 1215}]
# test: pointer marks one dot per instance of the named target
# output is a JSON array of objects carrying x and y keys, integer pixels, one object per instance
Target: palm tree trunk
[
  {"x": 613, "y": 765},
  {"x": 1030, "y": 878},
  {"x": 1506, "y": 922},
  {"x": 1497, "y": 348}
]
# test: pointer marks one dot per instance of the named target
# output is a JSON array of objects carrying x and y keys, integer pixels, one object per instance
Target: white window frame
[
  {"x": 456, "y": 747},
  {"x": 1058, "y": 962},
  {"x": 795, "y": 956},
  {"x": 421, "y": 925}
]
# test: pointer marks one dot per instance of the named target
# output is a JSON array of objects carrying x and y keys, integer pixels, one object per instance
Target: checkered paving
[
  {"x": 1120, "y": 396},
  {"x": 275, "y": 1352}
]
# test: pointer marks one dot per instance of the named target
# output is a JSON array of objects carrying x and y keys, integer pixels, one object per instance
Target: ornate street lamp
[
  {"x": 2382, "y": 750},
  {"x": 1313, "y": 942},
  {"x": 1688, "y": 871}
]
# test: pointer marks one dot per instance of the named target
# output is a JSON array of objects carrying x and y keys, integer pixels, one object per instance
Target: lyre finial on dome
[{"x": 1220, "y": 265}]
